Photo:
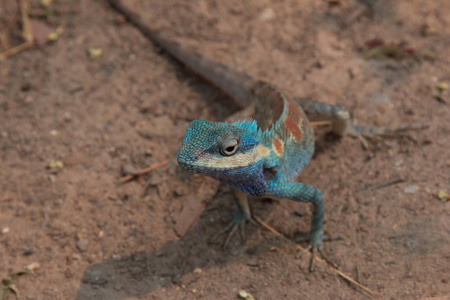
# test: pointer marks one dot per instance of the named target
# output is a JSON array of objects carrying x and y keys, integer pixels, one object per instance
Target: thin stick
[
  {"x": 15, "y": 50},
  {"x": 318, "y": 259},
  {"x": 4, "y": 34},
  {"x": 319, "y": 123},
  {"x": 26, "y": 27},
  {"x": 446, "y": 297},
  {"x": 26, "y": 33},
  {"x": 144, "y": 171},
  {"x": 386, "y": 183}
]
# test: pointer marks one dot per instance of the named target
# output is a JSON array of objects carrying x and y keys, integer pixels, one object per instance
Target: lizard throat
[{"x": 248, "y": 178}]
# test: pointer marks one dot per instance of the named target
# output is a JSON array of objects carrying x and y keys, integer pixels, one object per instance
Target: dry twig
[
  {"x": 446, "y": 297},
  {"x": 320, "y": 123},
  {"x": 144, "y": 171},
  {"x": 386, "y": 183},
  {"x": 27, "y": 33},
  {"x": 318, "y": 259}
]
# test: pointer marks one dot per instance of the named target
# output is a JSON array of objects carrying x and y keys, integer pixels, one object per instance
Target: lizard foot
[
  {"x": 316, "y": 246},
  {"x": 238, "y": 222}
]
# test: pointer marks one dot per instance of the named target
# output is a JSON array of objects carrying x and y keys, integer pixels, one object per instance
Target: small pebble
[
  {"x": 52, "y": 178},
  {"x": 76, "y": 256},
  {"x": 28, "y": 252},
  {"x": 411, "y": 189},
  {"x": 5, "y": 230},
  {"x": 267, "y": 14},
  {"x": 68, "y": 274},
  {"x": 67, "y": 116},
  {"x": 82, "y": 245}
]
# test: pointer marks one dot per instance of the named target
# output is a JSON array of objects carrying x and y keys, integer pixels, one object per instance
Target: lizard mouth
[
  {"x": 202, "y": 169},
  {"x": 189, "y": 166},
  {"x": 186, "y": 166}
]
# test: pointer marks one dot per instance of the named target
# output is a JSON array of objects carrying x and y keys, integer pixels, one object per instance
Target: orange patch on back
[
  {"x": 277, "y": 146},
  {"x": 293, "y": 128},
  {"x": 294, "y": 111}
]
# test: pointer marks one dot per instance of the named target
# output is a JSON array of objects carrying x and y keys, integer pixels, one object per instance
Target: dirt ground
[{"x": 130, "y": 105}]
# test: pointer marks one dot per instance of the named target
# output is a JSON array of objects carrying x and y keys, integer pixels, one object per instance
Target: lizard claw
[
  {"x": 316, "y": 246},
  {"x": 314, "y": 250},
  {"x": 238, "y": 222}
]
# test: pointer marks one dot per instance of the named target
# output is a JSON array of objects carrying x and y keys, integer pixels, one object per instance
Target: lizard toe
[
  {"x": 239, "y": 221},
  {"x": 316, "y": 246}
]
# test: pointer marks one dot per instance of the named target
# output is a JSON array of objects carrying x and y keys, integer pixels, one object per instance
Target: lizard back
[{"x": 286, "y": 131}]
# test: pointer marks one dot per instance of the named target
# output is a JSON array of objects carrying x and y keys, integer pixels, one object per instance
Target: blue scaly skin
[{"x": 261, "y": 155}]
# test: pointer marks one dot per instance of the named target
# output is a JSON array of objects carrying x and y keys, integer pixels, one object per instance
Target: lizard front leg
[
  {"x": 280, "y": 187},
  {"x": 240, "y": 218}
]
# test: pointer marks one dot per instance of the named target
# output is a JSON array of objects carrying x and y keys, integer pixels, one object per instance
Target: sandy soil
[{"x": 97, "y": 239}]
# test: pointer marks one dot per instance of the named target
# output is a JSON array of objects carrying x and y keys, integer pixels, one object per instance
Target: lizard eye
[{"x": 229, "y": 147}]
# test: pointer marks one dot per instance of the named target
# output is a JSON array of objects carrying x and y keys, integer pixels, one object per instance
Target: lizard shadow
[
  {"x": 324, "y": 141},
  {"x": 142, "y": 273}
]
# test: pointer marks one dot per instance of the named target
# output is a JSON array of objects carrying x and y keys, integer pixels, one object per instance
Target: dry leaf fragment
[
  {"x": 94, "y": 52},
  {"x": 55, "y": 164},
  {"x": 443, "y": 196},
  {"x": 439, "y": 92},
  {"x": 46, "y": 3},
  {"x": 8, "y": 285},
  {"x": 53, "y": 36},
  {"x": 245, "y": 295},
  {"x": 393, "y": 51},
  {"x": 442, "y": 86}
]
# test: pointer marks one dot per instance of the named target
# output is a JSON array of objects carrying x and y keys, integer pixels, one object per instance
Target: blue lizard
[
  {"x": 263, "y": 153},
  {"x": 260, "y": 160}
]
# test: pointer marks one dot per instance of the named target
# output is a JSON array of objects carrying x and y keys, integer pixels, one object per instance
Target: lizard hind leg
[
  {"x": 341, "y": 125},
  {"x": 364, "y": 133},
  {"x": 240, "y": 218}
]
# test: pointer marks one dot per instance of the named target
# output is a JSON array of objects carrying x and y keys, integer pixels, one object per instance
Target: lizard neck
[{"x": 249, "y": 179}]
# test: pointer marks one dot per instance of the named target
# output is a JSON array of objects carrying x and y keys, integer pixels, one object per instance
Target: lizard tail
[{"x": 235, "y": 84}]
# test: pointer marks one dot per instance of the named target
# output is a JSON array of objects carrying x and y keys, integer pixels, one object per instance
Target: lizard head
[{"x": 217, "y": 148}]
